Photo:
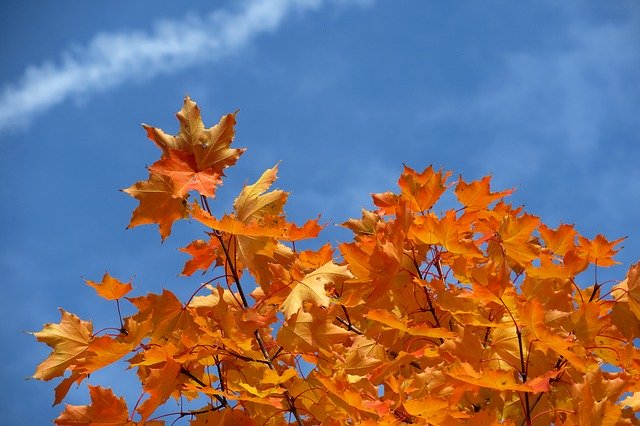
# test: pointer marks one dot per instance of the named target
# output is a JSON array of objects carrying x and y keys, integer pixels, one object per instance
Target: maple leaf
[
  {"x": 256, "y": 222},
  {"x": 101, "y": 352},
  {"x": 599, "y": 251},
  {"x": 110, "y": 288},
  {"x": 69, "y": 339},
  {"x": 422, "y": 190},
  {"x": 157, "y": 203},
  {"x": 306, "y": 332},
  {"x": 196, "y": 157},
  {"x": 476, "y": 195},
  {"x": 227, "y": 417},
  {"x": 164, "y": 312},
  {"x": 433, "y": 410},
  {"x": 185, "y": 175},
  {"x": 310, "y": 229},
  {"x": 533, "y": 317},
  {"x": 449, "y": 232},
  {"x": 311, "y": 288},
  {"x": 105, "y": 409},
  {"x": 160, "y": 384},
  {"x": 390, "y": 320},
  {"x": 203, "y": 253},
  {"x": 514, "y": 235},
  {"x": 430, "y": 317},
  {"x": 490, "y": 378},
  {"x": 364, "y": 226},
  {"x": 559, "y": 241}
]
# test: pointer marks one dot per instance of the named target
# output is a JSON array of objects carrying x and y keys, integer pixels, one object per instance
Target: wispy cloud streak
[{"x": 111, "y": 59}]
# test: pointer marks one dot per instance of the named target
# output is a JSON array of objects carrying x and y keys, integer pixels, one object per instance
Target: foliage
[{"x": 470, "y": 316}]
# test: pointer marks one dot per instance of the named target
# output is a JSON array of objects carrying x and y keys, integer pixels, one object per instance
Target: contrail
[{"x": 112, "y": 59}]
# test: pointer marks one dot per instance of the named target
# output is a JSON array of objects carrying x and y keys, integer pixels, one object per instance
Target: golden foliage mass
[{"x": 479, "y": 314}]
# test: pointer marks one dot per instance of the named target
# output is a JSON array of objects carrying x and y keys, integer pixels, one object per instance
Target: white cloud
[{"x": 111, "y": 59}]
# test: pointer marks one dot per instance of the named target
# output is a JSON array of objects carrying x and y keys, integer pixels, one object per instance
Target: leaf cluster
[{"x": 472, "y": 315}]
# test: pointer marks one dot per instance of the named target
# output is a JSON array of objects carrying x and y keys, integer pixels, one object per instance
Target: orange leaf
[
  {"x": 105, "y": 409},
  {"x": 165, "y": 313},
  {"x": 181, "y": 167},
  {"x": 448, "y": 232},
  {"x": 203, "y": 255},
  {"x": 533, "y": 317},
  {"x": 433, "y": 410},
  {"x": 390, "y": 320},
  {"x": 204, "y": 153},
  {"x": 476, "y": 195},
  {"x": 308, "y": 332},
  {"x": 110, "y": 288},
  {"x": 599, "y": 251},
  {"x": 422, "y": 190},
  {"x": 489, "y": 378},
  {"x": 103, "y": 351},
  {"x": 560, "y": 240},
  {"x": 69, "y": 340},
  {"x": 311, "y": 288},
  {"x": 310, "y": 229},
  {"x": 514, "y": 234},
  {"x": 160, "y": 384},
  {"x": 271, "y": 228},
  {"x": 254, "y": 202},
  {"x": 157, "y": 203}
]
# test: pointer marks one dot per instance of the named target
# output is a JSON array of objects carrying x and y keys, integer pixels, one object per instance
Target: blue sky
[{"x": 544, "y": 95}]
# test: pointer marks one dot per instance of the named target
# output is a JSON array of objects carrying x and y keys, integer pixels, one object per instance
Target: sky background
[{"x": 544, "y": 95}]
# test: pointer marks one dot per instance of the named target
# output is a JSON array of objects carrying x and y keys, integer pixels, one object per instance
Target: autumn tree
[{"x": 470, "y": 315}]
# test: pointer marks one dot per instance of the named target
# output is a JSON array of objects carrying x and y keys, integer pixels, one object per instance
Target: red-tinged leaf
[
  {"x": 208, "y": 149},
  {"x": 476, "y": 195},
  {"x": 226, "y": 417},
  {"x": 105, "y": 409},
  {"x": 599, "y": 251},
  {"x": 203, "y": 254},
  {"x": 157, "y": 203},
  {"x": 390, "y": 320},
  {"x": 110, "y": 288},
  {"x": 310, "y": 229},
  {"x": 160, "y": 384},
  {"x": 183, "y": 171},
  {"x": 422, "y": 190},
  {"x": 69, "y": 339}
]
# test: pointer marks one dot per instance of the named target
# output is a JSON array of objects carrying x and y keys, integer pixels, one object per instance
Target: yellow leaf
[
  {"x": 69, "y": 340},
  {"x": 312, "y": 287}
]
